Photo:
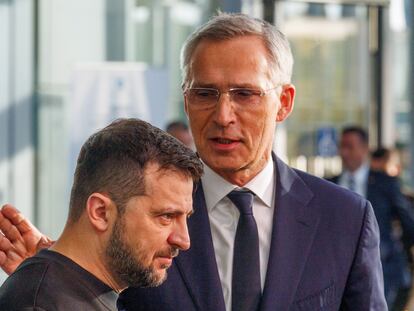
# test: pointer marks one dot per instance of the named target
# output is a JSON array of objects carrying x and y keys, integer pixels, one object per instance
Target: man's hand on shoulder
[{"x": 19, "y": 239}]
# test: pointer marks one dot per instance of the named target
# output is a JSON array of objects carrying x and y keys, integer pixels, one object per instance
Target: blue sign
[{"x": 326, "y": 142}]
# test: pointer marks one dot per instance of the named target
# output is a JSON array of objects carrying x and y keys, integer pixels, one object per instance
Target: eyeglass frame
[{"x": 230, "y": 90}]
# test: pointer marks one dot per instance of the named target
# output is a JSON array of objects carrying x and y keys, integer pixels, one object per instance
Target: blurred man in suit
[
  {"x": 264, "y": 236},
  {"x": 384, "y": 193},
  {"x": 385, "y": 160}
]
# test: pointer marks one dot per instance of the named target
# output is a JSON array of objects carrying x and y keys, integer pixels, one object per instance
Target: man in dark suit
[
  {"x": 383, "y": 191},
  {"x": 264, "y": 236}
]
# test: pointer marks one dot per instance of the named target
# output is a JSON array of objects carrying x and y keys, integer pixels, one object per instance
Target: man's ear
[
  {"x": 287, "y": 97},
  {"x": 101, "y": 211}
]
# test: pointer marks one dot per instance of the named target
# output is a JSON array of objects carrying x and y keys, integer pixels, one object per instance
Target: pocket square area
[{"x": 320, "y": 300}]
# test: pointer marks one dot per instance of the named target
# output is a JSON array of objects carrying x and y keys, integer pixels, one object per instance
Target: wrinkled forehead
[
  {"x": 352, "y": 139},
  {"x": 247, "y": 38},
  {"x": 242, "y": 55}
]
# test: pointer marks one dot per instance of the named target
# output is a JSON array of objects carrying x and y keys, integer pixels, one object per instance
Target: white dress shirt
[
  {"x": 360, "y": 179},
  {"x": 224, "y": 216}
]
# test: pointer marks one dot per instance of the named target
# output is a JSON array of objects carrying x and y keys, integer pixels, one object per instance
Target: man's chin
[
  {"x": 159, "y": 278},
  {"x": 156, "y": 279}
]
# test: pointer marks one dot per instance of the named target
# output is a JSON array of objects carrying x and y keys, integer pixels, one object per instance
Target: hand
[{"x": 19, "y": 239}]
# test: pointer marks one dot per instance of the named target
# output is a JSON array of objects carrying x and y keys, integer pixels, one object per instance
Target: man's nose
[
  {"x": 180, "y": 237},
  {"x": 224, "y": 113}
]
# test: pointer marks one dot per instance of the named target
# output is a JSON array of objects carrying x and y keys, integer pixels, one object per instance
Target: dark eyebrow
[{"x": 169, "y": 210}]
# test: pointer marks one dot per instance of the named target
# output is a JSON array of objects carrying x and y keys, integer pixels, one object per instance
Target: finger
[
  {"x": 16, "y": 218},
  {"x": 9, "y": 210},
  {"x": 11, "y": 237},
  {"x": 45, "y": 242},
  {"x": 13, "y": 260},
  {"x": 9, "y": 230},
  {"x": 5, "y": 244},
  {"x": 3, "y": 258},
  {"x": 25, "y": 237}
]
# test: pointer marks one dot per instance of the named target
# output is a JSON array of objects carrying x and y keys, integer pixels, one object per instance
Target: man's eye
[
  {"x": 205, "y": 93},
  {"x": 243, "y": 93},
  {"x": 167, "y": 216}
]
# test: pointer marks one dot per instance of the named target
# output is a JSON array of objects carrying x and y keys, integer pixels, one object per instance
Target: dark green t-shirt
[{"x": 50, "y": 281}]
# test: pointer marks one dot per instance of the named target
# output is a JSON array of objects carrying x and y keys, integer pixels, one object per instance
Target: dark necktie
[{"x": 246, "y": 285}]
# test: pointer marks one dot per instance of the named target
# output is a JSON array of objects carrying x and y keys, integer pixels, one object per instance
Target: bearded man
[{"x": 125, "y": 225}]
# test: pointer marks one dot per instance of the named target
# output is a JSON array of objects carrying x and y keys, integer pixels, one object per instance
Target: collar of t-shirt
[
  {"x": 360, "y": 179},
  {"x": 216, "y": 187},
  {"x": 103, "y": 292}
]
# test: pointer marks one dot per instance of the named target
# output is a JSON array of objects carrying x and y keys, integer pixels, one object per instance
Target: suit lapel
[
  {"x": 198, "y": 265},
  {"x": 294, "y": 227},
  {"x": 293, "y": 231}
]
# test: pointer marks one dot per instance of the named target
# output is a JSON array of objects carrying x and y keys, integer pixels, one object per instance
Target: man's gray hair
[{"x": 226, "y": 26}]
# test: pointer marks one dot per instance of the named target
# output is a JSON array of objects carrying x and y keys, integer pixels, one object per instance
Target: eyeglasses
[{"x": 208, "y": 97}]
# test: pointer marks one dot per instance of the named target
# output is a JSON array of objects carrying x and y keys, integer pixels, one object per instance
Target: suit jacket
[
  {"x": 389, "y": 204},
  {"x": 324, "y": 255}
]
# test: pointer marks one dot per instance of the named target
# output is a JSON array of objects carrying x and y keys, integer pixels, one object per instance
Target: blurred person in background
[
  {"x": 384, "y": 193},
  {"x": 125, "y": 225},
  {"x": 180, "y": 130},
  {"x": 265, "y": 236},
  {"x": 384, "y": 160}
]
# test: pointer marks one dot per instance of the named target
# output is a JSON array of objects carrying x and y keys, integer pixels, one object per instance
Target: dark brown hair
[
  {"x": 358, "y": 130},
  {"x": 113, "y": 161},
  {"x": 176, "y": 125}
]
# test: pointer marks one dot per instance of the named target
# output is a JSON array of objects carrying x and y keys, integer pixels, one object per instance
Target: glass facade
[
  {"x": 401, "y": 14},
  {"x": 156, "y": 32},
  {"x": 330, "y": 45},
  {"x": 17, "y": 106}
]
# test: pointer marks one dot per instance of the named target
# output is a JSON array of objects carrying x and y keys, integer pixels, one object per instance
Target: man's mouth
[
  {"x": 224, "y": 141},
  {"x": 224, "y": 144},
  {"x": 170, "y": 254},
  {"x": 165, "y": 262},
  {"x": 166, "y": 258}
]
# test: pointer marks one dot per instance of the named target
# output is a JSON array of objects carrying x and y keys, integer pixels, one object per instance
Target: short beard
[{"x": 123, "y": 264}]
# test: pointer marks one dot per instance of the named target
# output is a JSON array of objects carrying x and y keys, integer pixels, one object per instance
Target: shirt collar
[
  {"x": 216, "y": 187},
  {"x": 360, "y": 174}
]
